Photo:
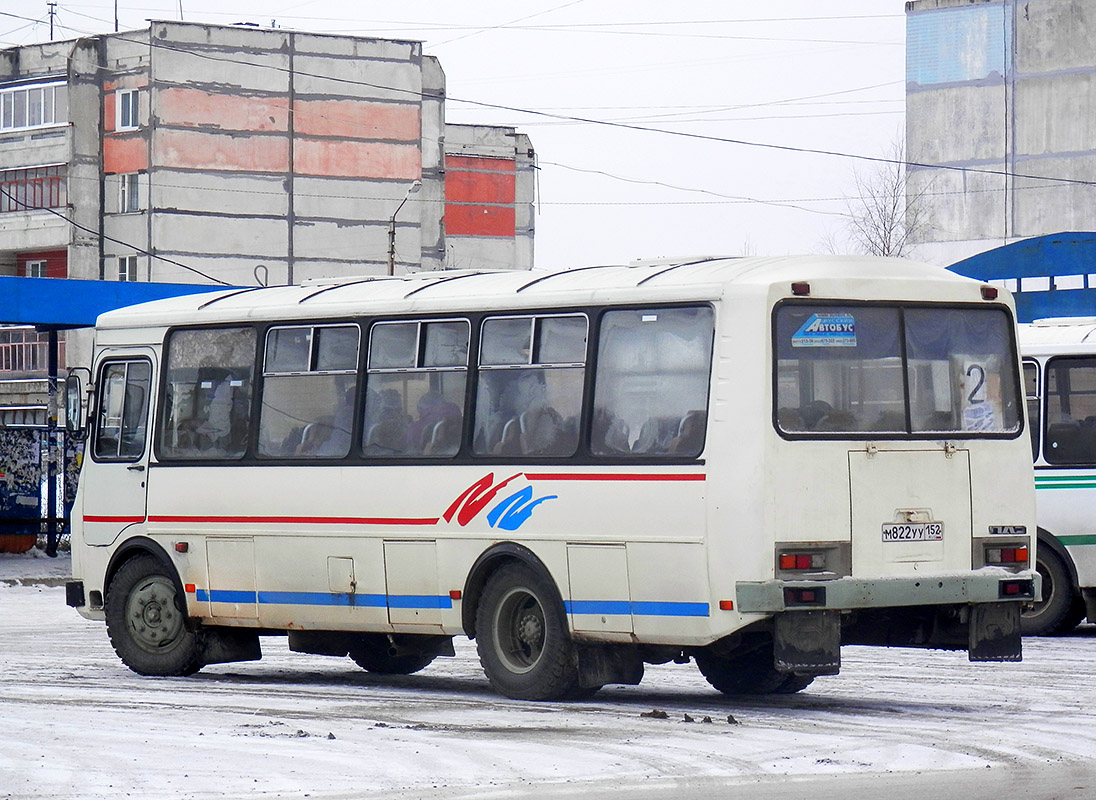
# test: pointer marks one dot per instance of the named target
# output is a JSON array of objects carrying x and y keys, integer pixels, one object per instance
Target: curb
[{"x": 34, "y": 581}]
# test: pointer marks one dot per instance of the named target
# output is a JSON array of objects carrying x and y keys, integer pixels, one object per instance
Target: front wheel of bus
[
  {"x": 1062, "y": 607},
  {"x": 146, "y": 621},
  {"x": 522, "y": 638}
]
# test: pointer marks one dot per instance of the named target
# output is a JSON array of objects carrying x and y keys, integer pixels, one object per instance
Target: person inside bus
[
  {"x": 386, "y": 424},
  {"x": 436, "y": 417},
  {"x": 213, "y": 428}
]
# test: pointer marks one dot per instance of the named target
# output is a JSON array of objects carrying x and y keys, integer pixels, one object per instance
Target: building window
[
  {"x": 34, "y": 187},
  {"x": 127, "y": 268},
  {"x": 40, "y": 106},
  {"x": 129, "y": 196},
  {"x": 36, "y": 269},
  {"x": 127, "y": 105}
]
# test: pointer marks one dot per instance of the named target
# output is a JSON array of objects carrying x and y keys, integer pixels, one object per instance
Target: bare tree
[{"x": 884, "y": 218}]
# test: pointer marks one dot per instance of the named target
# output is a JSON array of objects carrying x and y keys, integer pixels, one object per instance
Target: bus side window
[
  {"x": 309, "y": 385},
  {"x": 415, "y": 379},
  {"x": 1070, "y": 387},
  {"x": 207, "y": 406},
  {"x": 652, "y": 383},
  {"x": 1031, "y": 393},
  {"x": 530, "y": 385}
]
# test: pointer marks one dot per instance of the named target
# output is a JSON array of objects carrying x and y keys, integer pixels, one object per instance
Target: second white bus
[
  {"x": 1060, "y": 379},
  {"x": 745, "y": 463}
]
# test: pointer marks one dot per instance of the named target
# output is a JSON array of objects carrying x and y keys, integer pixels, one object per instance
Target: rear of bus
[{"x": 896, "y": 498}]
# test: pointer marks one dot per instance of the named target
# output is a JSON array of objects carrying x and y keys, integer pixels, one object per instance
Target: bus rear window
[{"x": 894, "y": 370}]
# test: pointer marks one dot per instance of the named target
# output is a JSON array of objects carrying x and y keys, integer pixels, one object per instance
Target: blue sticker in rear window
[{"x": 826, "y": 330}]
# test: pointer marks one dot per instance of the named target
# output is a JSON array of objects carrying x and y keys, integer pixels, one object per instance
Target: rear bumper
[{"x": 989, "y": 585}]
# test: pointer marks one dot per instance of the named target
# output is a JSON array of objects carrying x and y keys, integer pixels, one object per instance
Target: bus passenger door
[{"x": 114, "y": 483}]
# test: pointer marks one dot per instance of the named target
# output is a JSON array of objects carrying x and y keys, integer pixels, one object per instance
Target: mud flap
[
  {"x": 808, "y": 642},
  {"x": 602, "y": 664},
  {"x": 995, "y": 632},
  {"x": 225, "y": 645}
]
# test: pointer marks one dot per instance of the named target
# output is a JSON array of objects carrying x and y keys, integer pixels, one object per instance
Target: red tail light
[
  {"x": 802, "y": 561},
  {"x": 1006, "y": 555}
]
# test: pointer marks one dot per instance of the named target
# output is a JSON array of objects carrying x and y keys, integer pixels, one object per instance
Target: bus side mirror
[{"x": 75, "y": 421}]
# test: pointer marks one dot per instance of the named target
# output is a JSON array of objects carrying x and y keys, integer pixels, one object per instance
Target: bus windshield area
[{"x": 877, "y": 369}]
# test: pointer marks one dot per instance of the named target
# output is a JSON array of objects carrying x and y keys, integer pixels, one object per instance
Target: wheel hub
[
  {"x": 154, "y": 620},
  {"x": 531, "y": 631}
]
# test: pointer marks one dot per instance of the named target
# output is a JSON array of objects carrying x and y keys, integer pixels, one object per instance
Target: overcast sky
[{"x": 704, "y": 77}]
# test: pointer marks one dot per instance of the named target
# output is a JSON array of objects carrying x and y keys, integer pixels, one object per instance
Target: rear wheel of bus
[
  {"x": 1062, "y": 607},
  {"x": 522, "y": 637},
  {"x": 146, "y": 620},
  {"x": 377, "y": 653},
  {"x": 749, "y": 669}
]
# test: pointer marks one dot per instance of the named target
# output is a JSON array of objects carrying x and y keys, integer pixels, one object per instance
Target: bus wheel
[
  {"x": 1062, "y": 607},
  {"x": 522, "y": 639},
  {"x": 748, "y": 670},
  {"x": 373, "y": 652},
  {"x": 146, "y": 620},
  {"x": 794, "y": 683}
]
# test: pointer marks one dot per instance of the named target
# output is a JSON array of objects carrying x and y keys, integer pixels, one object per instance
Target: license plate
[{"x": 913, "y": 531}]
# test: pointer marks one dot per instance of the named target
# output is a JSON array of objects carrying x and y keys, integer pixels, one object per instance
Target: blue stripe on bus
[
  {"x": 638, "y": 608},
  {"x": 225, "y": 596},
  {"x": 419, "y": 601},
  {"x": 617, "y": 607},
  {"x": 324, "y": 599}
]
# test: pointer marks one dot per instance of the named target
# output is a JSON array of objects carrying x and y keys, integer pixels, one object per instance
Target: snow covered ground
[{"x": 75, "y": 723}]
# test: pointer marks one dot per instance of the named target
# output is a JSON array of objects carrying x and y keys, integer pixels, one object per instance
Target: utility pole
[
  {"x": 414, "y": 187},
  {"x": 52, "y": 14}
]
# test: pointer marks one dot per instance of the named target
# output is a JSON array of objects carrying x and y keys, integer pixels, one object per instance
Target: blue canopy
[
  {"x": 60, "y": 303},
  {"x": 1055, "y": 275}
]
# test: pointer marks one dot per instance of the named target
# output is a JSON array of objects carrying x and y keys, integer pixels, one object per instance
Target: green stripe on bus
[
  {"x": 1066, "y": 485},
  {"x": 1082, "y": 538}
]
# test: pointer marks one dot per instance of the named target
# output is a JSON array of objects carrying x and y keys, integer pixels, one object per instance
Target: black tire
[
  {"x": 147, "y": 622},
  {"x": 522, "y": 638},
  {"x": 749, "y": 670},
  {"x": 370, "y": 651},
  {"x": 1062, "y": 607},
  {"x": 795, "y": 683}
]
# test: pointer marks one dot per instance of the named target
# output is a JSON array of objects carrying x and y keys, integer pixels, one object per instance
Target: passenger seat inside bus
[{"x": 1064, "y": 441}]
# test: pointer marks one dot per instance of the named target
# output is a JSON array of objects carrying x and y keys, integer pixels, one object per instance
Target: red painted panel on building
[
  {"x": 219, "y": 151},
  {"x": 123, "y": 153},
  {"x": 473, "y": 220},
  {"x": 357, "y": 159},
  {"x": 56, "y": 263},
  {"x": 357, "y": 119},
  {"x": 110, "y": 111},
  {"x": 475, "y": 162},
  {"x": 479, "y": 187},
  {"x": 194, "y": 108}
]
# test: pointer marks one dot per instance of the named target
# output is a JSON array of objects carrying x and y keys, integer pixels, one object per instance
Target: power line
[
  {"x": 134, "y": 247},
  {"x": 640, "y": 128}
]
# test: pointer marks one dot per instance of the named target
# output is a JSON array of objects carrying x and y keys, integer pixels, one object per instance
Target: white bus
[
  {"x": 742, "y": 462},
  {"x": 1060, "y": 379}
]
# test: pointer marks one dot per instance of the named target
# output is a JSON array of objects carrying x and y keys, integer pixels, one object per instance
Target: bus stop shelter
[
  {"x": 1049, "y": 276},
  {"x": 32, "y": 461}
]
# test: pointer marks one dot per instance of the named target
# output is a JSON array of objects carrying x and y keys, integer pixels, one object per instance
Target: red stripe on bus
[
  {"x": 302, "y": 520},
  {"x": 92, "y": 518},
  {"x": 608, "y": 476}
]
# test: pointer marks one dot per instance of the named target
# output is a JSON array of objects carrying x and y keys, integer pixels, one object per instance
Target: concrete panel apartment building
[
  {"x": 195, "y": 153},
  {"x": 1000, "y": 97}
]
